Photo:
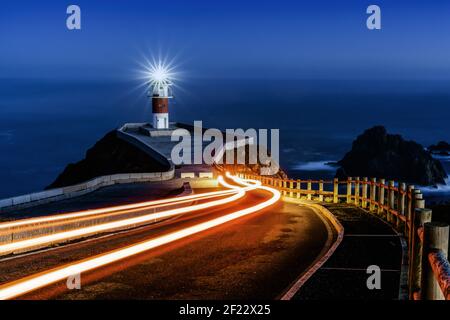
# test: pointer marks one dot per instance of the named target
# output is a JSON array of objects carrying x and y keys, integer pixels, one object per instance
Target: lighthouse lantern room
[{"x": 160, "y": 92}]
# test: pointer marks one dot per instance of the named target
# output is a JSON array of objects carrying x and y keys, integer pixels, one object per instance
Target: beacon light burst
[{"x": 160, "y": 78}]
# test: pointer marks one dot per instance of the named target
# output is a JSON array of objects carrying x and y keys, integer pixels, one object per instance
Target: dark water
[{"x": 46, "y": 124}]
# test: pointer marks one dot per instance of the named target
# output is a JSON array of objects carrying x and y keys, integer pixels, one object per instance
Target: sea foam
[{"x": 315, "y": 166}]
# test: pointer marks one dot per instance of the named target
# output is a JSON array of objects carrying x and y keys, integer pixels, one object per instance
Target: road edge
[{"x": 328, "y": 218}]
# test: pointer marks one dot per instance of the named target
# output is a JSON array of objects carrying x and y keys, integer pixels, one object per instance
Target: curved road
[{"x": 257, "y": 256}]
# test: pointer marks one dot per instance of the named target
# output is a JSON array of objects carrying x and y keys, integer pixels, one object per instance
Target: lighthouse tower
[{"x": 160, "y": 93}]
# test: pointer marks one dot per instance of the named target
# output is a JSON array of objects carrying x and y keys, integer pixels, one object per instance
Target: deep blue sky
[{"x": 218, "y": 38}]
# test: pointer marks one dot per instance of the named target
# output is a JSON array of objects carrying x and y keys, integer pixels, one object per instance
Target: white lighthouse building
[{"x": 160, "y": 93}]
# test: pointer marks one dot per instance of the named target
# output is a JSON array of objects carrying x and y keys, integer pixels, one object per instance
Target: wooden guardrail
[{"x": 403, "y": 207}]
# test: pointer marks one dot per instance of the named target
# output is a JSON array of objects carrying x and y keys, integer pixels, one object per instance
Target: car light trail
[
  {"x": 72, "y": 220},
  {"x": 85, "y": 231},
  {"x": 140, "y": 205},
  {"x": 33, "y": 282},
  {"x": 244, "y": 182}
]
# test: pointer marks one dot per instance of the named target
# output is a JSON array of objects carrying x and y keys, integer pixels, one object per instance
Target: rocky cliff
[
  {"x": 110, "y": 155},
  {"x": 375, "y": 153},
  {"x": 441, "y": 148}
]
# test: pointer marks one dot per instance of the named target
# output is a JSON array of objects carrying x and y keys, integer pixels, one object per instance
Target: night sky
[{"x": 230, "y": 39}]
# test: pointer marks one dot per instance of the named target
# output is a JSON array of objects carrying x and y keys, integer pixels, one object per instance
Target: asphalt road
[{"x": 257, "y": 256}]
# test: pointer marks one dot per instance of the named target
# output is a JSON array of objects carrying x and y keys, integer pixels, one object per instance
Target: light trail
[
  {"x": 33, "y": 282},
  {"x": 85, "y": 231},
  {"x": 244, "y": 182},
  {"x": 141, "y": 205},
  {"x": 59, "y": 222}
]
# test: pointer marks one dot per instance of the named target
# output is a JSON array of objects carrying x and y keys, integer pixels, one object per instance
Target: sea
[{"x": 48, "y": 123}]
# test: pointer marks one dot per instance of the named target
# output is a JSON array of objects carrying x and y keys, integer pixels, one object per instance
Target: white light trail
[
  {"x": 33, "y": 282},
  {"x": 141, "y": 205},
  {"x": 85, "y": 231}
]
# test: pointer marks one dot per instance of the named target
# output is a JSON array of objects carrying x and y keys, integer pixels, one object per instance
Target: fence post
[
  {"x": 373, "y": 190},
  {"x": 308, "y": 196},
  {"x": 357, "y": 191},
  {"x": 320, "y": 190},
  {"x": 420, "y": 217},
  {"x": 364, "y": 193},
  {"x": 417, "y": 202},
  {"x": 291, "y": 186},
  {"x": 401, "y": 202},
  {"x": 335, "y": 190},
  {"x": 381, "y": 197},
  {"x": 409, "y": 208},
  {"x": 410, "y": 200},
  {"x": 435, "y": 238},
  {"x": 391, "y": 203},
  {"x": 349, "y": 189},
  {"x": 298, "y": 188}
]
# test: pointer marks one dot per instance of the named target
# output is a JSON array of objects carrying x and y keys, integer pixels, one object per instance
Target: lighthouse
[{"x": 160, "y": 92}]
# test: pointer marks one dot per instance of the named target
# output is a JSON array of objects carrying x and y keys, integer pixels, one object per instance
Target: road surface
[{"x": 256, "y": 256}]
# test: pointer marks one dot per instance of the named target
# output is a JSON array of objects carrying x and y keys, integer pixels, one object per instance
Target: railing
[
  {"x": 58, "y": 194},
  {"x": 403, "y": 207}
]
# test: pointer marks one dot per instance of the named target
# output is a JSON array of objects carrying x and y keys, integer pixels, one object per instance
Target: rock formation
[
  {"x": 442, "y": 148},
  {"x": 375, "y": 153},
  {"x": 110, "y": 155}
]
